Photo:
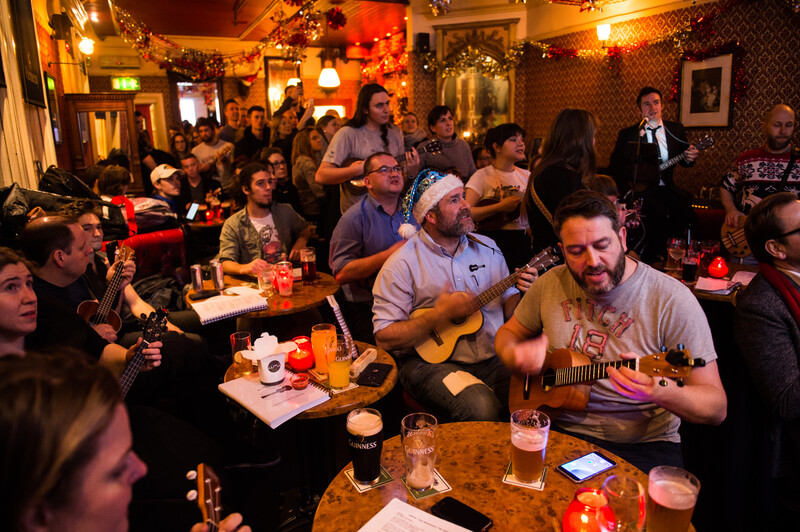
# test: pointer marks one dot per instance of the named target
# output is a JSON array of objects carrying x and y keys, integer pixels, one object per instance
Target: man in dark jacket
[{"x": 256, "y": 136}]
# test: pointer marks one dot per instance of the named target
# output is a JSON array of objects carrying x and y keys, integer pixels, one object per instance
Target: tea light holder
[
  {"x": 581, "y": 514},
  {"x": 718, "y": 267},
  {"x": 302, "y": 358},
  {"x": 283, "y": 278}
]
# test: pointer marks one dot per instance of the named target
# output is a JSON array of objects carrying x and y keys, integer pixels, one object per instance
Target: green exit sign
[{"x": 126, "y": 83}]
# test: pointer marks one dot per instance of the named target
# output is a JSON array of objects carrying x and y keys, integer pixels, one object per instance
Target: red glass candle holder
[
  {"x": 302, "y": 358},
  {"x": 581, "y": 514},
  {"x": 718, "y": 267}
]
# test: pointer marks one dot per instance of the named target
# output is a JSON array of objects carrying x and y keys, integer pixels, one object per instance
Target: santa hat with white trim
[{"x": 425, "y": 192}]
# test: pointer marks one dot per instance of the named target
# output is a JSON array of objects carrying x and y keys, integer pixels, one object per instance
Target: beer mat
[
  {"x": 321, "y": 378},
  {"x": 337, "y": 392},
  {"x": 458, "y": 380},
  {"x": 509, "y": 478},
  {"x": 440, "y": 485},
  {"x": 384, "y": 478}
]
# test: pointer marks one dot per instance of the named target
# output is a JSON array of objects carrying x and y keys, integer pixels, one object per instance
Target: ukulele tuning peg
[
  {"x": 191, "y": 475},
  {"x": 191, "y": 495},
  {"x": 663, "y": 349},
  {"x": 681, "y": 384},
  {"x": 680, "y": 347},
  {"x": 662, "y": 382}
]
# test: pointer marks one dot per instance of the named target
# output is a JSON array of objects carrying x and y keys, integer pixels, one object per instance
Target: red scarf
[{"x": 784, "y": 286}]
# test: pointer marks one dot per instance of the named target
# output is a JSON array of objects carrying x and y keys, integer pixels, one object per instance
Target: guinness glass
[{"x": 365, "y": 439}]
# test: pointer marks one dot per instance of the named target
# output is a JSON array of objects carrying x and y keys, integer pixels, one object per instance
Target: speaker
[
  {"x": 61, "y": 25},
  {"x": 423, "y": 43}
]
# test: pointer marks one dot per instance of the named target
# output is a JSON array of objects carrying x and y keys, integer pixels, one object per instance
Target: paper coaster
[
  {"x": 440, "y": 485},
  {"x": 509, "y": 478},
  {"x": 351, "y": 387},
  {"x": 385, "y": 478}
]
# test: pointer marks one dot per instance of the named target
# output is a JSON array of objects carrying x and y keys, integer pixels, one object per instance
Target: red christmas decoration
[
  {"x": 298, "y": 39},
  {"x": 295, "y": 3},
  {"x": 336, "y": 19}
]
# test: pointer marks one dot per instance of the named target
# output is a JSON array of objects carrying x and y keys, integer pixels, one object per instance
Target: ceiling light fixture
[
  {"x": 328, "y": 77},
  {"x": 86, "y": 46}
]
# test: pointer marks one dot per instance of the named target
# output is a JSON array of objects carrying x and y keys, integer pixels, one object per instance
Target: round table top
[
  {"x": 342, "y": 403},
  {"x": 304, "y": 297},
  {"x": 472, "y": 458}
]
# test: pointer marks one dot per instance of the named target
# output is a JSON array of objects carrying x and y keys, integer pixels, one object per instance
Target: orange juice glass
[{"x": 323, "y": 340}]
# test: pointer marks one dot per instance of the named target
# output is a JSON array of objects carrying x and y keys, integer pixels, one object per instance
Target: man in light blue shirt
[
  {"x": 365, "y": 237},
  {"x": 442, "y": 267}
]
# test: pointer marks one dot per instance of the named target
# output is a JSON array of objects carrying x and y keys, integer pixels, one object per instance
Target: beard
[
  {"x": 459, "y": 226},
  {"x": 778, "y": 143},
  {"x": 263, "y": 204},
  {"x": 615, "y": 276}
]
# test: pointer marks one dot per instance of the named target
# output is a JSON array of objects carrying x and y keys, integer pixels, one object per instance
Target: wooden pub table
[
  {"x": 343, "y": 403},
  {"x": 472, "y": 458},
  {"x": 304, "y": 297}
]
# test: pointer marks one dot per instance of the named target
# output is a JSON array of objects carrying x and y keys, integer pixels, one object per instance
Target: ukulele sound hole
[
  {"x": 458, "y": 322},
  {"x": 548, "y": 379}
]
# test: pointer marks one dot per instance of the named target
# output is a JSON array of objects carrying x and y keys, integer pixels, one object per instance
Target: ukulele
[
  {"x": 706, "y": 143},
  {"x": 734, "y": 240},
  {"x": 155, "y": 326},
  {"x": 439, "y": 345},
  {"x": 498, "y": 220},
  {"x": 207, "y": 495},
  {"x": 356, "y": 186},
  {"x": 96, "y": 312},
  {"x": 560, "y": 386}
]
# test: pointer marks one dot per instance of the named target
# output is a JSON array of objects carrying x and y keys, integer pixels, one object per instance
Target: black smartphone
[
  {"x": 111, "y": 250},
  {"x": 457, "y": 512},
  {"x": 374, "y": 374},
  {"x": 587, "y": 466},
  {"x": 300, "y": 87}
]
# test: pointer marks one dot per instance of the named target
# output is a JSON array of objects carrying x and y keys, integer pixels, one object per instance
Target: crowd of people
[{"x": 416, "y": 223}]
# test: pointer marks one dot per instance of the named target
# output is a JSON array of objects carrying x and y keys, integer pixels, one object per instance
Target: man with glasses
[
  {"x": 365, "y": 237},
  {"x": 767, "y": 331},
  {"x": 263, "y": 230},
  {"x": 284, "y": 191}
]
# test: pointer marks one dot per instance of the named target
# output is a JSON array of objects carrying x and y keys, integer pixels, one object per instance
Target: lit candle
[
  {"x": 718, "y": 268},
  {"x": 581, "y": 514}
]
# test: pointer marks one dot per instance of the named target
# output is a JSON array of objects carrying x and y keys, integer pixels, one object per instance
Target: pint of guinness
[{"x": 365, "y": 439}]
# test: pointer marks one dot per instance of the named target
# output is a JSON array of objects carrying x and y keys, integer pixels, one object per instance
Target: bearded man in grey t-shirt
[{"x": 610, "y": 307}]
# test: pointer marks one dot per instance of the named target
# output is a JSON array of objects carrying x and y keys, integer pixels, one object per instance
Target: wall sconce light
[
  {"x": 603, "y": 32},
  {"x": 328, "y": 77},
  {"x": 86, "y": 46}
]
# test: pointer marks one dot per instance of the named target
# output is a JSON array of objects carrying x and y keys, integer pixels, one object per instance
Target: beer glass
[
  {"x": 625, "y": 508},
  {"x": 323, "y": 340},
  {"x": 529, "y": 432},
  {"x": 418, "y": 433},
  {"x": 308, "y": 262},
  {"x": 672, "y": 496},
  {"x": 241, "y": 366},
  {"x": 265, "y": 281},
  {"x": 339, "y": 362},
  {"x": 676, "y": 247},
  {"x": 365, "y": 439}
]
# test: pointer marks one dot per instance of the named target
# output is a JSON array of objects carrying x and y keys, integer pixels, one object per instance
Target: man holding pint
[{"x": 610, "y": 307}]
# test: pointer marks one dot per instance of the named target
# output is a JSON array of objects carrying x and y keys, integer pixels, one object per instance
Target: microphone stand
[{"x": 636, "y": 158}]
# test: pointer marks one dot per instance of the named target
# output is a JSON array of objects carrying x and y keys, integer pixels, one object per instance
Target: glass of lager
[
  {"x": 529, "y": 432},
  {"x": 672, "y": 496},
  {"x": 365, "y": 439},
  {"x": 418, "y": 433},
  {"x": 625, "y": 508}
]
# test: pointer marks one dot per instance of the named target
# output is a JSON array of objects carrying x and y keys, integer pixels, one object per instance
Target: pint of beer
[
  {"x": 418, "y": 432},
  {"x": 672, "y": 495},
  {"x": 365, "y": 439},
  {"x": 529, "y": 432}
]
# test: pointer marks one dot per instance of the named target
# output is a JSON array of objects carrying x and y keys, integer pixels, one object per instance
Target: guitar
[
  {"x": 155, "y": 326},
  {"x": 356, "y": 186},
  {"x": 706, "y": 143},
  {"x": 207, "y": 495},
  {"x": 101, "y": 312},
  {"x": 734, "y": 240},
  {"x": 498, "y": 220},
  {"x": 439, "y": 345},
  {"x": 559, "y": 386}
]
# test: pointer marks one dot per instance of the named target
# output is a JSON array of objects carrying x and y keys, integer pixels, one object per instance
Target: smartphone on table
[
  {"x": 458, "y": 513},
  {"x": 587, "y": 466}
]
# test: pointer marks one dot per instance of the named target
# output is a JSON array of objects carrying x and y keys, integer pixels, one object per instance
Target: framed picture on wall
[
  {"x": 705, "y": 92},
  {"x": 27, "y": 53}
]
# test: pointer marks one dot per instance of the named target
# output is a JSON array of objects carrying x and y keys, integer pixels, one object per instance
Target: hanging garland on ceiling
[
  {"x": 291, "y": 36},
  {"x": 471, "y": 58}
]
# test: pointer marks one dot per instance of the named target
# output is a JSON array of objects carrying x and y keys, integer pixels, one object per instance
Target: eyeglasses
[
  {"x": 386, "y": 170},
  {"x": 278, "y": 163},
  {"x": 790, "y": 233}
]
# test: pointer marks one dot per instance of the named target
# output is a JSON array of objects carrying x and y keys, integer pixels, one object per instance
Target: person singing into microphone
[{"x": 666, "y": 210}]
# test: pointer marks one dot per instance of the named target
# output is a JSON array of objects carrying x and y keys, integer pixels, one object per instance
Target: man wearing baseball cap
[
  {"x": 167, "y": 183},
  {"x": 441, "y": 268}
]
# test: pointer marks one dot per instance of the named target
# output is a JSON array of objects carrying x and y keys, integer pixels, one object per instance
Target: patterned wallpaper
[{"x": 767, "y": 30}]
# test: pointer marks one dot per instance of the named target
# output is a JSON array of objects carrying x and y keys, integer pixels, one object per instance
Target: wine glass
[
  {"x": 625, "y": 509},
  {"x": 676, "y": 247}
]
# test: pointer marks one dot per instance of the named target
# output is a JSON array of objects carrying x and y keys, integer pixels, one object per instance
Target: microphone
[{"x": 643, "y": 123}]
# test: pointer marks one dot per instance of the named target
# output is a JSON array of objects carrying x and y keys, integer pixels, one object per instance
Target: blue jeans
[{"x": 474, "y": 403}]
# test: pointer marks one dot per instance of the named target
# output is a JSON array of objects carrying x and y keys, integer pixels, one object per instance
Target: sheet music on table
[{"x": 217, "y": 308}]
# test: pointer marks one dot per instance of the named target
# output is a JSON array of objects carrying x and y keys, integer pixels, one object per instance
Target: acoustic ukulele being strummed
[
  {"x": 439, "y": 345},
  {"x": 155, "y": 325},
  {"x": 562, "y": 384},
  {"x": 356, "y": 186},
  {"x": 97, "y": 313}
]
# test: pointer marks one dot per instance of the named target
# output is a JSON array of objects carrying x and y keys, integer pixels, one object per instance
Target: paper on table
[
  {"x": 743, "y": 277},
  {"x": 711, "y": 285},
  {"x": 458, "y": 380},
  {"x": 398, "y": 515}
]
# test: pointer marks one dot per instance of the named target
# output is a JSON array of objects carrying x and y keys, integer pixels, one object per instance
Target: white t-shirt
[
  {"x": 270, "y": 243},
  {"x": 206, "y": 153},
  {"x": 488, "y": 180}
]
